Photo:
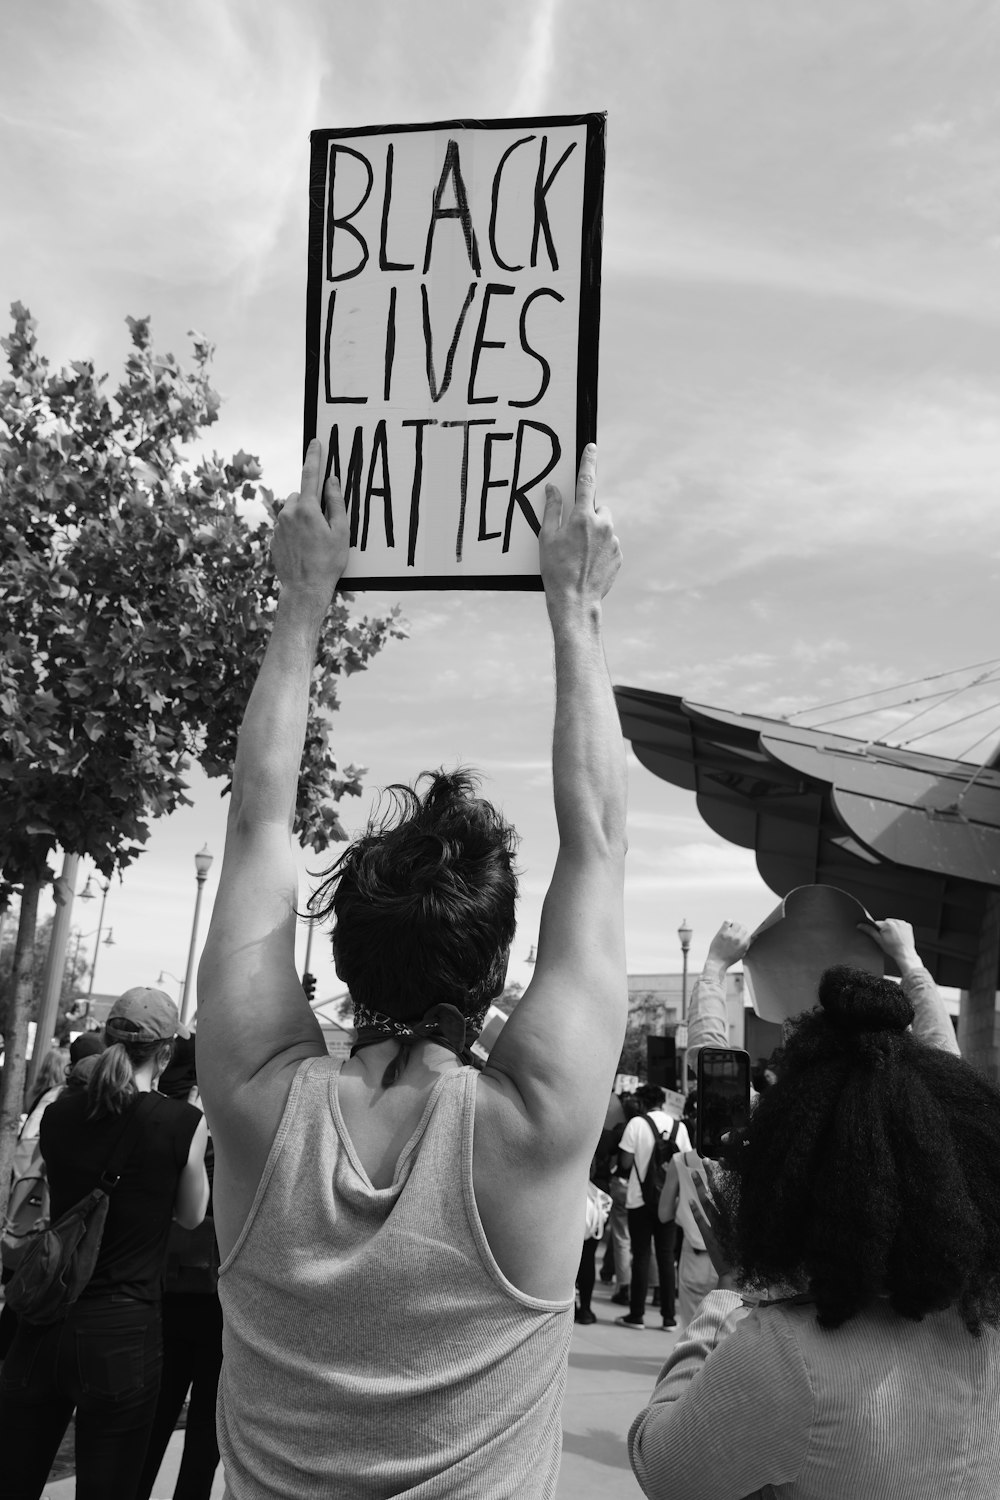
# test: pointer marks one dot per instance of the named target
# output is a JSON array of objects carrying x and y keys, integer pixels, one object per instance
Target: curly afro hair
[
  {"x": 423, "y": 900},
  {"x": 872, "y": 1167}
]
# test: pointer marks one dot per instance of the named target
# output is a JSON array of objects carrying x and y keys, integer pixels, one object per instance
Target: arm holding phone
[{"x": 708, "y": 1018}]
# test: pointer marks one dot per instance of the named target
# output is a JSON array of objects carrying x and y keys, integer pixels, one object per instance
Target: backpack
[
  {"x": 27, "y": 1211},
  {"x": 58, "y": 1260},
  {"x": 664, "y": 1147}
]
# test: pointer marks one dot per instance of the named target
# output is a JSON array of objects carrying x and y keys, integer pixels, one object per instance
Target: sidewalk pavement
[{"x": 612, "y": 1372}]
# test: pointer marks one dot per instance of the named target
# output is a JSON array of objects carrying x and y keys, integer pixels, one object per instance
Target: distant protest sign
[{"x": 452, "y": 327}]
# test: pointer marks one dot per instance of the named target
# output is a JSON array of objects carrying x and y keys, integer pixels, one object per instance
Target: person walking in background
[
  {"x": 636, "y": 1161},
  {"x": 28, "y": 1162},
  {"x": 192, "y": 1326},
  {"x": 401, "y": 1234},
  {"x": 103, "y": 1358},
  {"x": 618, "y": 1255}
]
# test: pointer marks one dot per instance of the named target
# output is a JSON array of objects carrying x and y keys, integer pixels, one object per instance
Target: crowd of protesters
[{"x": 382, "y": 1303}]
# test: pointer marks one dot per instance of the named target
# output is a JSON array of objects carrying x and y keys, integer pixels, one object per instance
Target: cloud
[
  {"x": 538, "y": 61},
  {"x": 912, "y": 471},
  {"x": 188, "y": 127},
  {"x": 698, "y": 866}
]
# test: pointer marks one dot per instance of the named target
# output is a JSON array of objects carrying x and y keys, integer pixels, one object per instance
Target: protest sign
[
  {"x": 453, "y": 307},
  {"x": 814, "y": 927}
]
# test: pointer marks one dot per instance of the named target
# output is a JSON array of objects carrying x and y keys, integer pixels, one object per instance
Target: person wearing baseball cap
[
  {"x": 104, "y": 1359},
  {"x": 143, "y": 1015}
]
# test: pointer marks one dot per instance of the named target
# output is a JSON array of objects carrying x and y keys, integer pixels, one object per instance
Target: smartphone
[{"x": 723, "y": 1098}]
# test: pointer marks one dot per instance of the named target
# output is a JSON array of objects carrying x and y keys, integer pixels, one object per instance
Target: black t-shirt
[{"x": 76, "y": 1152}]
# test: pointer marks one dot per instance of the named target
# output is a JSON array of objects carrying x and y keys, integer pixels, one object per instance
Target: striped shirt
[{"x": 881, "y": 1408}]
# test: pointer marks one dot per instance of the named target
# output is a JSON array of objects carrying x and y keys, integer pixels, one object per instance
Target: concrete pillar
[{"x": 979, "y": 1017}]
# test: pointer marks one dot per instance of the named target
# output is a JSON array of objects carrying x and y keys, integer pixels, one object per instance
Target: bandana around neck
[{"x": 444, "y": 1024}]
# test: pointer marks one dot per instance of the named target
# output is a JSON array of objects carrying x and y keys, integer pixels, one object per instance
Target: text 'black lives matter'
[{"x": 453, "y": 313}]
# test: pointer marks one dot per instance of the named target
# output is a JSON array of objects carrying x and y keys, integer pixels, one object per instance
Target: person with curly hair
[
  {"x": 853, "y": 1345},
  {"x": 401, "y": 1233}
]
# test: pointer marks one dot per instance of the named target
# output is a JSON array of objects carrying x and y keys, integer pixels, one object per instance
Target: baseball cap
[
  {"x": 144, "y": 1015},
  {"x": 87, "y": 1044}
]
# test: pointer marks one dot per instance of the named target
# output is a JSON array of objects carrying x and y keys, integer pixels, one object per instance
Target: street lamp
[
  {"x": 166, "y": 974},
  {"x": 109, "y": 941},
  {"x": 202, "y": 865},
  {"x": 684, "y": 933},
  {"x": 81, "y": 937}
]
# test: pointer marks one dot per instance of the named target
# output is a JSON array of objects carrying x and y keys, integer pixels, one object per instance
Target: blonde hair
[
  {"x": 111, "y": 1087},
  {"x": 51, "y": 1075}
]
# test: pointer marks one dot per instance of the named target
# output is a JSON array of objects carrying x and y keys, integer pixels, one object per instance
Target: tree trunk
[
  {"x": 16, "y": 1038},
  {"x": 54, "y": 974}
]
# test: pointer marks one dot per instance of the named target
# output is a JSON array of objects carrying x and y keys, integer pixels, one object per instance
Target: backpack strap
[
  {"x": 657, "y": 1136},
  {"x": 673, "y": 1133},
  {"x": 124, "y": 1141}
]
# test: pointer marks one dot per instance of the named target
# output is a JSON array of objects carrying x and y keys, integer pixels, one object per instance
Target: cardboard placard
[
  {"x": 815, "y": 927},
  {"x": 453, "y": 308}
]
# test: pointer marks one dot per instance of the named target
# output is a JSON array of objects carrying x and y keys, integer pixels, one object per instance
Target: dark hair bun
[{"x": 855, "y": 1001}]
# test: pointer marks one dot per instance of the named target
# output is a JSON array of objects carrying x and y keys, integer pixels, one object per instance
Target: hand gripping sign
[{"x": 453, "y": 307}]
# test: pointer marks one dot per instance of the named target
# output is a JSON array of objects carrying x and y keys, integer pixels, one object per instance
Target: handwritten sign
[{"x": 452, "y": 324}]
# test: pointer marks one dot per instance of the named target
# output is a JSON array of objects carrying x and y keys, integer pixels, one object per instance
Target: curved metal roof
[{"x": 907, "y": 834}]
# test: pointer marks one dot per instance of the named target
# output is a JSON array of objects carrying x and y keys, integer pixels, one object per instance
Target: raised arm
[
  {"x": 708, "y": 1017},
  {"x": 931, "y": 1021},
  {"x": 560, "y": 1047},
  {"x": 254, "y": 1022}
]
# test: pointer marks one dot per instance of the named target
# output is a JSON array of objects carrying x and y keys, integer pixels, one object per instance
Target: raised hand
[
  {"x": 310, "y": 542},
  {"x": 895, "y": 938},
  {"x": 580, "y": 554},
  {"x": 729, "y": 944}
]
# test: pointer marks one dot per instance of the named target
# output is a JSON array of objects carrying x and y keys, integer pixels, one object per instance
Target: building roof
[{"x": 909, "y": 835}]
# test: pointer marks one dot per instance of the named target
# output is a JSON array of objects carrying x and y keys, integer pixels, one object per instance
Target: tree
[
  {"x": 74, "y": 974},
  {"x": 136, "y": 596},
  {"x": 633, "y": 1059}
]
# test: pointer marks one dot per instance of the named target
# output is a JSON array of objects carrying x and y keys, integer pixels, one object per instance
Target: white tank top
[{"x": 372, "y": 1345}]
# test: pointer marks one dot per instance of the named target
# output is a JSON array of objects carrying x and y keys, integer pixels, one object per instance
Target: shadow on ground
[
  {"x": 607, "y": 1448},
  {"x": 646, "y": 1369}
]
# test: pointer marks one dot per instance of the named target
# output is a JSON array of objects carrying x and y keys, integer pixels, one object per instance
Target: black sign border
[{"x": 588, "y": 337}]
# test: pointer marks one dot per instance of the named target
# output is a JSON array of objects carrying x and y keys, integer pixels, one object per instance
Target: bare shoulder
[
  {"x": 531, "y": 1203},
  {"x": 244, "y": 1122}
]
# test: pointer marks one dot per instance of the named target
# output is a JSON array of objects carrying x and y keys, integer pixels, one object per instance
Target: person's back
[
  {"x": 443, "y": 1380},
  {"x": 884, "y": 1407},
  {"x": 400, "y": 1237},
  {"x": 76, "y": 1150}
]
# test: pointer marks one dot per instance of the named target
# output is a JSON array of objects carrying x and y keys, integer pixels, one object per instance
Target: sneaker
[
  {"x": 670, "y": 1322},
  {"x": 584, "y": 1315},
  {"x": 621, "y": 1298},
  {"x": 630, "y": 1323}
]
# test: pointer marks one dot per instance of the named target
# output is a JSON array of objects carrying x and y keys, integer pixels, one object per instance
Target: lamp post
[
  {"x": 684, "y": 934},
  {"x": 202, "y": 865},
  {"x": 86, "y": 895},
  {"x": 166, "y": 974}
]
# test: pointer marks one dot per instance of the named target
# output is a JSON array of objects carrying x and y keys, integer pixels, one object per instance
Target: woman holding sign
[{"x": 401, "y": 1234}]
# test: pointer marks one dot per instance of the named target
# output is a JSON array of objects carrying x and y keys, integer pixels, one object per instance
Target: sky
[{"x": 799, "y": 433}]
